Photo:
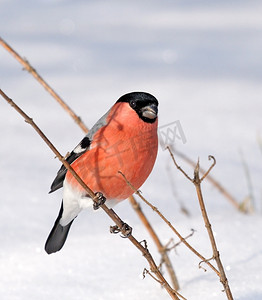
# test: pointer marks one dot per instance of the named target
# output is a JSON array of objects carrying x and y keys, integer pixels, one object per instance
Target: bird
[{"x": 123, "y": 140}]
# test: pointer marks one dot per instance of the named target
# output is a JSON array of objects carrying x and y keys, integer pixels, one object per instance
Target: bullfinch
[{"x": 124, "y": 139}]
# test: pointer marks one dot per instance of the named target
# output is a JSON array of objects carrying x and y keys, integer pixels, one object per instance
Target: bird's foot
[
  {"x": 125, "y": 229},
  {"x": 99, "y": 200}
]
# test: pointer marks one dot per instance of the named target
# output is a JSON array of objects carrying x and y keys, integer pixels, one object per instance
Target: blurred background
[{"x": 202, "y": 60}]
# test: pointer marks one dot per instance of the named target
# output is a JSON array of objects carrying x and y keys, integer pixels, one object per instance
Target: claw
[
  {"x": 114, "y": 229},
  {"x": 99, "y": 200},
  {"x": 126, "y": 230}
]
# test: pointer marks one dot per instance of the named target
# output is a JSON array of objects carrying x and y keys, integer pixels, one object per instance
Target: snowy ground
[{"x": 202, "y": 60}]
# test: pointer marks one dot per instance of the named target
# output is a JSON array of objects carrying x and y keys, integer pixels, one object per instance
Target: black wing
[{"x": 81, "y": 148}]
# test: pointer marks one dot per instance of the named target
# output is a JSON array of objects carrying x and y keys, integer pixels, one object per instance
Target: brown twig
[
  {"x": 211, "y": 179},
  {"x": 197, "y": 183},
  {"x": 152, "y": 276},
  {"x": 161, "y": 249},
  {"x": 111, "y": 213},
  {"x": 31, "y": 70},
  {"x": 182, "y": 239},
  {"x": 178, "y": 243},
  {"x": 78, "y": 120},
  {"x": 182, "y": 206}
]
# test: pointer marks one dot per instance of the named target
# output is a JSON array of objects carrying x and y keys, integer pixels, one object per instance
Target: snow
[{"x": 202, "y": 60}]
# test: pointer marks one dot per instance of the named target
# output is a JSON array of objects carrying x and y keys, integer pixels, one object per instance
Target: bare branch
[
  {"x": 211, "y": 179},
  {"x": 204, "y": 261},
  {"x": 32, "y": 71},
  {"x": 181, "y": 204},
  {"x": 178, "y": 167},
  {"x": 216, "y": 255},
  {"x": 161, "y": 249},
  {"x": 178, "y": 243},
  {"x": 210, "y": 168},
  {"x": 150, "y": 274},
  {"x": 197, "y": 182}
]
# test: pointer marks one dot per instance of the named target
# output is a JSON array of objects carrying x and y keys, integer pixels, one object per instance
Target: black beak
[{"x": 150, "y": 111}]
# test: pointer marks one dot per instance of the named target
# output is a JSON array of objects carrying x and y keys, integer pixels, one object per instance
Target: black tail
[{"x": 58, "y": 235}]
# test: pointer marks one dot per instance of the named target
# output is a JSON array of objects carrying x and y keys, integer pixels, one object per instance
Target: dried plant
[
  {"x": 161, "y": 249},
  {"x": 197, "y": 180},
  {"x": 211, "y": 179},
  {"x": 25, "y": 63}
]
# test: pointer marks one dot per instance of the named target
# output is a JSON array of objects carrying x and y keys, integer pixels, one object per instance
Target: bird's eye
[{"x": 133, "y": 104}]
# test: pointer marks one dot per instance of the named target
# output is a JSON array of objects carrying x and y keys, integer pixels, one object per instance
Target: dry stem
[
  {"x": 161, "y": 249},
  {"x": 31, "y": 70},
  {"x": 111, "y": 213},
  {"x": 211, "y": 179},
  {"x": 197, "y": 183}
]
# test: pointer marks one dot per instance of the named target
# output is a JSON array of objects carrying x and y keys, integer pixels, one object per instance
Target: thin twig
[
  {"x": 211, "y": 179},
  {"x": 178, "y": 167},
  {"x": 33, "y": 71},
  {"x": 178, "y": 243},
  {"x": 182, "y": 206},
  {"x": 216, "y": 254},
  {"x": 183, "y": 240},
  {"x": 152, "y": 276},
  {"x": 210, "y": 168},
  {"x": 108, "y": 211},
  {"x": 197, "y": 183},
  {"x": 204, "y": 261},
  {"x": 161, "y": 249}
]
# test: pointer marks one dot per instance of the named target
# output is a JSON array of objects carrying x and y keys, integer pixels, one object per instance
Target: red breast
[{"x": 126, "y": 144}]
